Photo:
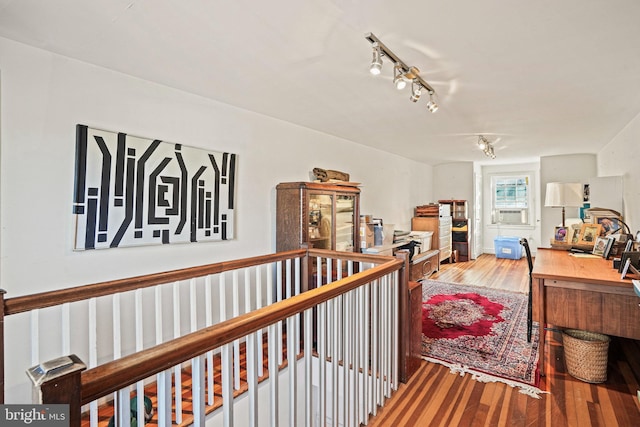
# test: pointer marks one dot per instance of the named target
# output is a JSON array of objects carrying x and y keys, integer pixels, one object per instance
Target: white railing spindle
[
  {"x": 197, "y": 391},
  {"x": 236, "y": 344},
  {"x": 293, "y": 371},
  {"x": 208, "y": 301},
  {"x": 274, "y": 354},
  {"x": 93, "y": 349},
  {"x": 177, "y": 370}
]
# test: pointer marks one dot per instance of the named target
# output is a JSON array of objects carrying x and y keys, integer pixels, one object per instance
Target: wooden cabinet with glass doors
[{"x": 323, "y": 216}]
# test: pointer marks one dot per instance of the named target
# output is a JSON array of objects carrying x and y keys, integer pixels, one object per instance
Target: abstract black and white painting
[{"x": 132, "y": 191}]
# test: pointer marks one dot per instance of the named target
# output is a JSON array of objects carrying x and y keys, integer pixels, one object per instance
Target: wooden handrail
[
  {"x": 48, "y": 299},
  {"x": 112, "y": 376},
  {"x": 351, "y": 256}
]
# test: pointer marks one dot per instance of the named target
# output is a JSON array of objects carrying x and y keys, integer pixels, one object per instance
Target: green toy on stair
[{"x": 148, "y": 412}]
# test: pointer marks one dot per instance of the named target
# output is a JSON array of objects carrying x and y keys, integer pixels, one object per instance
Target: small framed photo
[
  {"x": 574, "y": 236},
  {"x": 588, "y": 234},
  {"x": 625, "y": 268},
  {"x": 600, "y": 245},
  {"x": 633, "y": 257},
  {"x": 609, "y": 225},
  {"x": 609, "y": 246},
  {"x": 628, "y": 246},
  {"x": 561, "y": 234}
]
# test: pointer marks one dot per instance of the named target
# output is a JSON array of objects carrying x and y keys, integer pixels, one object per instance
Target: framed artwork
[
  {"x": 609, "y": 225},
  {"x": 585, "y": 193},
  {"x": 628, "y": 246},
  {"x": 600, "y": 245},
  {"x": 632, "y": 257},
  {"x": 588, "y": 234},
  {"x": 133, "y": 191},
  {"x": 561, "y": 234},
  {"x": 607, "y": 249},
  {"x": 625, "y": 268},
  {"x": 574, "y": 236}
]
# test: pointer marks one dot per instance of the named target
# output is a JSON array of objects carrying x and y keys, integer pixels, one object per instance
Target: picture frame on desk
[
  {"x": 561, "y": 234},
  {"x": 600, "y": 246},
  {"x": 607, "y": 249},
  {"x": 629, "y": 257},
  {"x": 574, "y": 234},
  {"x": 609, "y": 224},
  {"x": 589, "y": 233},
  {"x": 625, "y": 268}
]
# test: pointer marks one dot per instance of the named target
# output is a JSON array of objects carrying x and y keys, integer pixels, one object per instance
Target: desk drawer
[
  {"x": 571, "y": 308},
  {"x": 606, "y": 313},
  {"x": 621, "y": 315}
]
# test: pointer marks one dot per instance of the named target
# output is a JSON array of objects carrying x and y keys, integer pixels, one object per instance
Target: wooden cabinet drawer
[{"x": 423, "y": 265}]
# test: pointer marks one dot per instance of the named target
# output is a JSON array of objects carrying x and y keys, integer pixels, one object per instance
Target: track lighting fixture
[
  {"x": 486, "y": 147},
  {"x": 402, "y": 73},
  {"x": 376, "y": 62},
  {"x": 431, "y": 105},
  {"x": 416, "y": 91},
  {"x": 398, "y": 77}
]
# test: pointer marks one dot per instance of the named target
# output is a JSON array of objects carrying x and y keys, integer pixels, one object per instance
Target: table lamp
[{"x": 563, "y": 194}]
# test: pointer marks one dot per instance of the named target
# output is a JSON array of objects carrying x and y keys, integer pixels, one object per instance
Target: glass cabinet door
[
  {"x": 321, "y": 221},
  {"x": 345, "y": 223}
]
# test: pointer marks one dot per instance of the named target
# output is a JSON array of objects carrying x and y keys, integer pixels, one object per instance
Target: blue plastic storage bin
[{"x": 508, "y": 247}]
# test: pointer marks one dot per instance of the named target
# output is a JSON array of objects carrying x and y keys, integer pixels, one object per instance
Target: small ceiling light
[
  {"x": 398, "y": 77},
  {"x": 416, "y": 91},
  {"x": 482, "y": 143},
  {"x": 486, "y": 147},
  {"x": 376, "y": 62},
  {"x": 431, "y": 105}
]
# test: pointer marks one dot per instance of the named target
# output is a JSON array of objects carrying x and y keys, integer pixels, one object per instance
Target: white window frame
[{"x": 519, "y": 213}]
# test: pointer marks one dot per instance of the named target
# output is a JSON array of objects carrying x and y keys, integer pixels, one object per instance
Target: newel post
[
  {"x": 58, "y": 381},
  {"x": 404, "y": 322}
]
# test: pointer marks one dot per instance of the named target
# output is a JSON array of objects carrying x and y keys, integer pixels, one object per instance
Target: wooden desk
[{"x": 582, "y": 293}]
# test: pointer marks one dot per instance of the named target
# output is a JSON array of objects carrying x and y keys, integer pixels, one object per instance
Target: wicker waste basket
[{"x": 585, "y": 354}]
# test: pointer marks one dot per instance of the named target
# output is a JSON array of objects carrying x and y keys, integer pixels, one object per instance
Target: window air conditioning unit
[{"x": 511, "y": 216}]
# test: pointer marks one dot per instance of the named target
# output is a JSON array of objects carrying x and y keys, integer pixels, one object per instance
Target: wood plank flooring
[{"x": 435, "y": 397}]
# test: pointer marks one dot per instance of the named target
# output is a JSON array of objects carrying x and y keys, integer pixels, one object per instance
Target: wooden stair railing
[{"x": 115, "y": 375}]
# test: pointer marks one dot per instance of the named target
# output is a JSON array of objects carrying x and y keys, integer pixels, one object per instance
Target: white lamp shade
[{"x": 560, "y": 194}]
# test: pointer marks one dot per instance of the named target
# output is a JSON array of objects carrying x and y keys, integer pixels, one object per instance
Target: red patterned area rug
[{"x": 480, "y": 331}]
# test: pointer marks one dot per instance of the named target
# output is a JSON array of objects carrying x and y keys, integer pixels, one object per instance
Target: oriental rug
[{"x": 480, "y": 331}]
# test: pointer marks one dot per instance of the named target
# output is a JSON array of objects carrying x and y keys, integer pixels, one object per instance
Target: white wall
[
  {"x": 455, "y": 181},
  {"x": 45, "y": 95},
  {"x": 491, "y": 231},
  {"x": 621, "y": 157},
  {"x": 567, "y": 168}
]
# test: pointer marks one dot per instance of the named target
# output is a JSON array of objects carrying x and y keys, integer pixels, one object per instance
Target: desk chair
[{"x": 525, "y": 245}]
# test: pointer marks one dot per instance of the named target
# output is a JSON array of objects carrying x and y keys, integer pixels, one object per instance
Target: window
[{"x": 511, "y": 200}]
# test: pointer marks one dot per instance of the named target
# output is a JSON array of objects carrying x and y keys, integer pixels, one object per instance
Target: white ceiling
[{"x": 544, "y": 77}]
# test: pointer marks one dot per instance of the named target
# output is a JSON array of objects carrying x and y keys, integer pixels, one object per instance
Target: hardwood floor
[{"x": 435, "y": 397}]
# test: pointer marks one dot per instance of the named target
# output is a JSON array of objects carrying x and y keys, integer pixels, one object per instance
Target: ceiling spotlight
[
  {"x": 431, "y": 105},
  {"x": 376, "y": 62},
  {"x": 398, "y": 77},
  {"x": 486, "y": 147},
  {"x": 482, "y": 142},
  {"x": 416, "y": 91}
]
